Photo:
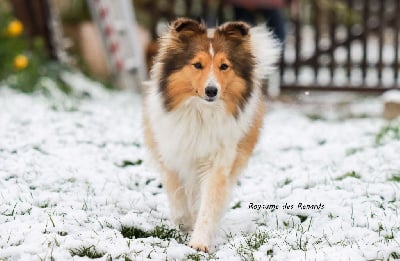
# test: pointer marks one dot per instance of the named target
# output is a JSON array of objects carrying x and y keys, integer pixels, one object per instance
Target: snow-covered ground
[{"x": 75, "y": 181}]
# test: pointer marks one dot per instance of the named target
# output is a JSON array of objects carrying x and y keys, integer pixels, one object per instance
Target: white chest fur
[{"x": 198, "y": 135}]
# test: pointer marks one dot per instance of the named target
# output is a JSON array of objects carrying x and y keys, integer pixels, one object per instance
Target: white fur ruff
[{"x": 198, "y": 135}]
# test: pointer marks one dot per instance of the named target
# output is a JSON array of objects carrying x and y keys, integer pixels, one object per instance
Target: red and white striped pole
[{"x": 115, "y": 21}]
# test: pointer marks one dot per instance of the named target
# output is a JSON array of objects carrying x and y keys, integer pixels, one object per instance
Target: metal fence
[
  {"x": 330, "y": 45},
  {"x": 349, "y": 45}
]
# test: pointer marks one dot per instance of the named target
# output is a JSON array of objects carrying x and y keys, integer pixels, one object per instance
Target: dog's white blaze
[
  {"x": 211, "y": 50},
  {"x": 212, "y": 80}
]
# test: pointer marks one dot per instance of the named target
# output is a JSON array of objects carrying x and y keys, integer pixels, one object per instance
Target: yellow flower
[
  {"x": 15, "y": 28},
  {"x": 20, "y": 62}
]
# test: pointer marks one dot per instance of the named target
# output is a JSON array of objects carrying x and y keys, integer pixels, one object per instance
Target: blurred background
[{"x": 328, "y": 44}]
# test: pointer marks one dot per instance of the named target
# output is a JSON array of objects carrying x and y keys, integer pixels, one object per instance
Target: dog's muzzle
[{"x": 211, "y": 93}]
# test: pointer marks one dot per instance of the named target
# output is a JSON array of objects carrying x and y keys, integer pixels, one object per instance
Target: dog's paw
[
  {"x": 199, "y": 244},
  {"x": 199, "y": 247}
]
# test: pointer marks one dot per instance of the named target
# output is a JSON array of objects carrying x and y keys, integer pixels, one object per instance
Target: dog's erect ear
[
  {"x": 186, "y": 25},
  {"x": 234, "y": 30}
]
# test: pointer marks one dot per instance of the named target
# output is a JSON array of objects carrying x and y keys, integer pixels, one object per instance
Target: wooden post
[
  {"x": 298, "y": 40},
  {"x": 349, "y": 25},
  {"x": 396, "y": 66},
  {"x": 317, "y": 28},
  {"x": 381, "y": 29},
  {"x": 365, "y": 35},
  {"x": 332, "y": 36}
]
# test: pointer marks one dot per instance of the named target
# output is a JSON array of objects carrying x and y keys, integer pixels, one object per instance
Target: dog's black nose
[{"x": 211, "y": 91}]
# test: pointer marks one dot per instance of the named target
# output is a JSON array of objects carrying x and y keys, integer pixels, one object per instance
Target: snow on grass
[{"x": 75, "y": 182}]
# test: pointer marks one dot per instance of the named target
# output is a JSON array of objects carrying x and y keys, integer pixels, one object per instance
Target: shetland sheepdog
[{"x": 202, "y": 115}]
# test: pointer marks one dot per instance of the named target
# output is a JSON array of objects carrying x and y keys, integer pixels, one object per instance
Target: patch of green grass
[
  {"x": 301, "y": 241},
  {"x": 359, "y": 116},
  {"x": 251, "y": 244},
  {"x": 286, "y": 224},
  {"x": 394, "y": 255},
  {"x": 395, "y": 178},
  {"x": 194, "y": 257},
  {"x": 201, "y": 256},
  {"x": 380, "y": 229},
  {"x": 287, "y": 181},
  {"x": 123, "y": 257},
  {"x": 352, "y": 151},
  {"x": 161, "y": 231},
  {"x": 133, "y": 232},
  {"x": 388, "y": 132},
  {"x": 256, "y": 240},
  {"x": 237, "y": 205},
  {"x": 148, "y": 181},
  {"x": 14, "y": 212},
  {"x": 127, "y": 163},
  {"x": 39, "y": 149},
  {"x": 302, "y": 218},
  {"x": 90, "y": 252},
  {"x": 9, "y": 213},
  {"x": 71, "y": 180},
  {"x": 388, "y": 237},
  {"x": 284, "y": 182},
  {"x": 294, "y": 148},
  {"x": 44, "y": 204},
  {"x": 11, "y": 177},
  {"x": 331, "y": 216},
  {"x": 350, "y": 174},
  {"x": 315, "y": 117}
]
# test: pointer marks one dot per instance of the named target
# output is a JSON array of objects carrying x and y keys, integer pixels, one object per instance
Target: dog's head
[{"x": 213, "y": 65}]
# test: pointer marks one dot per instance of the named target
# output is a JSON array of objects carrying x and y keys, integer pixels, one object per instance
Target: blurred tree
[{"x": 24, "y": 60}]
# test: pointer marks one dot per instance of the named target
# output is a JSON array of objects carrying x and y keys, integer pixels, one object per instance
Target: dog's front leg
[
  {"x": 213, "y": 198},
  {"x": 177, "y": 200}
]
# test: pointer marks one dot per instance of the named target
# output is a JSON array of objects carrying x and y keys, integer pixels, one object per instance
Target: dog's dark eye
[
  {"x": 223, "y": 67},
  {"x": 198, "y": 65}
]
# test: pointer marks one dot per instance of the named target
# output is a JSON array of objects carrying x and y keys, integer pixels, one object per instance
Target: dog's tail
[{"x": 266, "y": 50}]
